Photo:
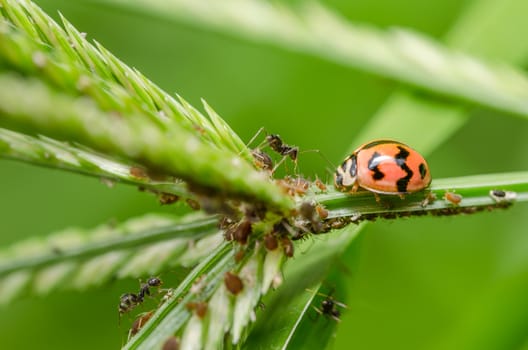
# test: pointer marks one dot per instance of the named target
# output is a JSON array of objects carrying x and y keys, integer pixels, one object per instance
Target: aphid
[
  {"x": 261, "y": 159},
  {"x": 294, "y": 186},
  {"x": 429, "y": 199},
  {"x": 287, "y": 247},
  {"x": 320, "y": 185},
  {"x": 172, "y": 343},
  {"x": 501, "y": 196},
  {"x": 321, "y": 211},
  {"x": 127, "y": 302},
  {"x": 239, "y": 255},
  {"x": 139, "y": 323},
  {"x": 239, "y": 232},
  {"x": 453, "y": 198},
  {"x": 167, "y": 198},
  {"x": 193, "y": 204},
  {"x": 309, "y": 212},
  {"x": 270, "y": 242},
  {"x": 138, "y": 172},
  {"x": 200, "y": 308},
  {"x": 145, "y": 287},
  {"x": 285, "y": 186},
  {"x": 233, "y": 283},
  {"x": 383, "y": 166}
]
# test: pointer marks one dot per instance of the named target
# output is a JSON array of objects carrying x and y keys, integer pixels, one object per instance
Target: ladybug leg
[
  {"x": 402, "y": 196},
  {"x": 355, "y": 187},
  {"x": 377, "y": 197}
]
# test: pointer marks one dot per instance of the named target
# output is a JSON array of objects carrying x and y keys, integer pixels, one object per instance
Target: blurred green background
[{"x": 426, "y": 283}]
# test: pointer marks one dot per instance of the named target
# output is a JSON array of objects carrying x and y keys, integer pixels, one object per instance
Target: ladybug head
[{"x": 346, "y": 174}]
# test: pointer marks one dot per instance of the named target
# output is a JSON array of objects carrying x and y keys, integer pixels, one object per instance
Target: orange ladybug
[{"x": 383, "y": 166}]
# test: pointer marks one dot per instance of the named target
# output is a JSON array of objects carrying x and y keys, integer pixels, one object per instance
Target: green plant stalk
[
  {"x": 54, "y": 154},
  {"x": 48, "y": 254},
  {"x": 32, "y": 43},
  {"x": 28, "y": 103},
  {"x": 398, "y": 54},
  {"x": 475, "y": 192}
]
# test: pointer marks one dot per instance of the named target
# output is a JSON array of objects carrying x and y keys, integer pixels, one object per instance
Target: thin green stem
[
  {"x": 398, "y": 54},
  {"x": 476, "y": 192}
]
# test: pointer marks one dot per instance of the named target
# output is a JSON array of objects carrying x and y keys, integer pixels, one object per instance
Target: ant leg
[
  {"x": 335, "y": 318},
  {"x": 278, "y": 164},
  {"x": 318, "y": 313}
]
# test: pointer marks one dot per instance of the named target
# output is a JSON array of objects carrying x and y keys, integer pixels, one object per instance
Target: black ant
[
  {"x": 274, "y": 141},
  {"x": 276, "y": 144},
  {"x": 329, "y": 308},
  {"x": 128, "y": 301}
]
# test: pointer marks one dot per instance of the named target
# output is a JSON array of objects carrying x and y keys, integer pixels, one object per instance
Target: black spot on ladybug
[
  {"x": 338, "y": 179},
  {"x": 404, "y": 181},
  {"x": 378, "y": 175},
  {"x": 401, "y": 157},
  {"x": 353, "y": 166},
  {"x": 423, "y": 170},
  {"x": 373, "y": 166}
]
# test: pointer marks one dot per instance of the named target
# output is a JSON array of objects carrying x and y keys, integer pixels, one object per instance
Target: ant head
[
  {"x": 327, "y": 304},
  {"x": 273, "y": 139}
]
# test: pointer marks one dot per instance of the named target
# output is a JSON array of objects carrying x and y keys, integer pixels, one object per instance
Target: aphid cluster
[
  {"x": 129, "y": 301},
  {"x": 307, "y": 218}
]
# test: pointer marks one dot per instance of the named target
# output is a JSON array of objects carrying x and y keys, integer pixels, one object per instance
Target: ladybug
[{"x": 383, "y": 166}]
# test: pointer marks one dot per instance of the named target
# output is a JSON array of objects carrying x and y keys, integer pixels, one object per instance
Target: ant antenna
[
  {"x": 255, "y": 137},
  {"x": 332, "y": 168}
]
